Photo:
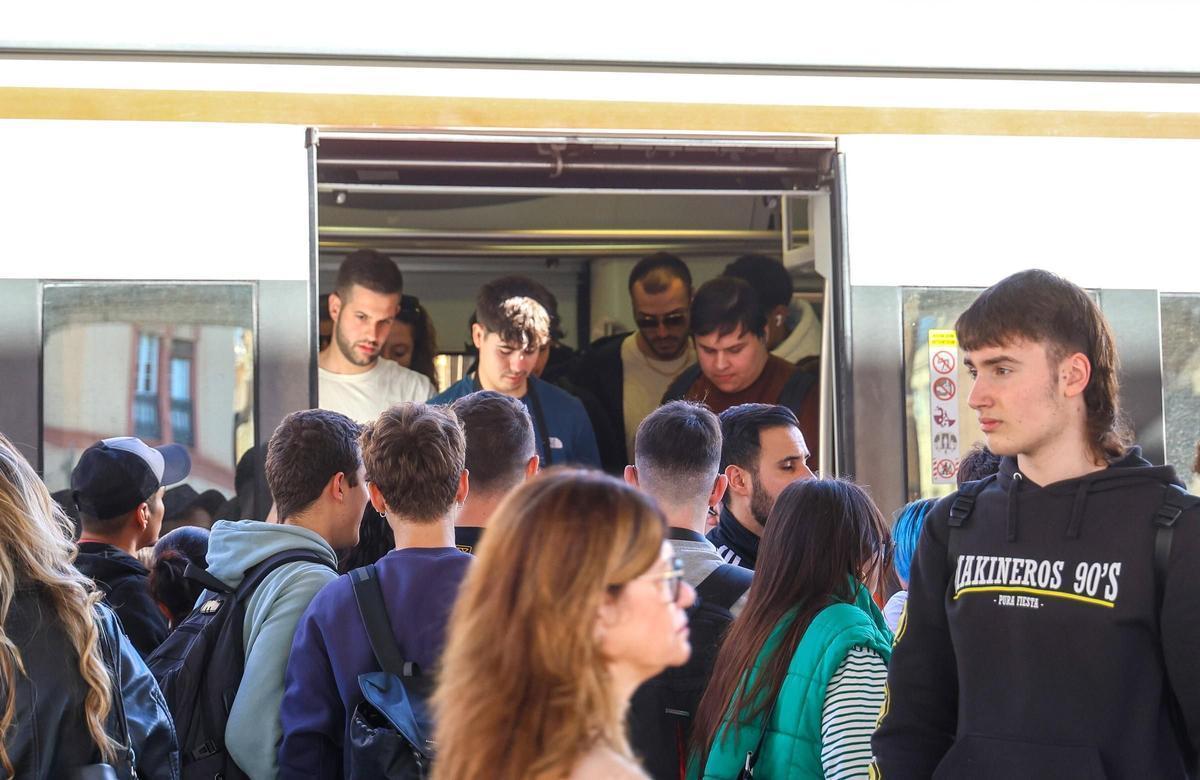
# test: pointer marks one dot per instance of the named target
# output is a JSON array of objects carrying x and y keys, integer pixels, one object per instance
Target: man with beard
[
  {"x": 629, "y": 372},
  {"x": 762, "y": 452},
  {"x": 351, "y": 377}
]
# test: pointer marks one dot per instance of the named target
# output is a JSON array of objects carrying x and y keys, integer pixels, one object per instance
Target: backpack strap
[
  {"x": 795, "y": 390},
  {"x": 255, "y": 576},
  {"x": 724, "y": 585},
  {"x": 1175, "y": 503},
  {"x": 678, "y": 389},
  {"x": 373, "y": 611},
  {"x": 960, "y": 510}
]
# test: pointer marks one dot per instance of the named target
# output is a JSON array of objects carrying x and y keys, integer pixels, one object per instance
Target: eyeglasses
[
  {"x": 673, "y": 579},
  {"x": 650, "y": 322}
]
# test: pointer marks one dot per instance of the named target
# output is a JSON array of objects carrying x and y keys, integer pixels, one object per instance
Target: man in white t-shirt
[{"x": 351, "y": 377}]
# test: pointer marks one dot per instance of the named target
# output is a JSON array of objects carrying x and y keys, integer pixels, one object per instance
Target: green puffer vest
[{"x": 792, "y": 748}]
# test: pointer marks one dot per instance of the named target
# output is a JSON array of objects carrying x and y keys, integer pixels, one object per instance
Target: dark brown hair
[
  {"x": 506, "y": 307},
  {"x": 822, "y": 538},
  {"x": 499, "y": 438},
  {"x": 415, "y": 454},
  {"x": 677, "y": 451},
  {"x": 1042, "y": 307},
  {"x": 370, "y": 269},
  {"x": 307, "y": 449},
  {"x": 724, "y": 305},
  {"x": 767, "y": 276},
  {"x": 656, "y": 272}
]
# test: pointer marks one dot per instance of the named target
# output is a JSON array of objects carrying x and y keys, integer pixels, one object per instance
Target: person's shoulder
[
  {"x": 554, "y": 395},
  {"x": 602, "y": 763},
  {"x": 452, "y": 393}
]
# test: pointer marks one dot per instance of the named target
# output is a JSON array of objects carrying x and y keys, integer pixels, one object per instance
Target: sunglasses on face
[{"x": 650, "y": 322}]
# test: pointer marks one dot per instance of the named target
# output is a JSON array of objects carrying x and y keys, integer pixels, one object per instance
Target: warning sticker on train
[
  {"x": 943, "y": 406},
  {"x": 944, "y": 388}
]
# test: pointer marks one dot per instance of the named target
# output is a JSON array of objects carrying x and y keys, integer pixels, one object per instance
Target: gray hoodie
[{"x": 253, "y": 732}]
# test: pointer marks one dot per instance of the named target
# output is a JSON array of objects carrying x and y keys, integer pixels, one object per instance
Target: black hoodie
[
  {"x": 126, "y": 585},
  {"x": 1039, "y": 652}
]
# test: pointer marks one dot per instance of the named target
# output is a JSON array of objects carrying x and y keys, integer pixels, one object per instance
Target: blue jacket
[
  {"x": 331, "y": 650},
  {"x": 567, "y": 428}
]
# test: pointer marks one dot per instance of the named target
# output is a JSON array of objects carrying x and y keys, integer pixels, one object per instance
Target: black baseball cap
[{"x": 114, "y": 475}]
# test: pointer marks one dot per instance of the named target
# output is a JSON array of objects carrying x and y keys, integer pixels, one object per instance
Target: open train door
[{"x": 798, "y": 176}]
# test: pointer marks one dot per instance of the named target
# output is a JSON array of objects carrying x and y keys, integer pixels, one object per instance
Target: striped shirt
[{"x": 852, "y": 703}]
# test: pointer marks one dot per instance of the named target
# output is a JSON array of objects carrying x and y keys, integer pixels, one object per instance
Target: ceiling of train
[{"x": 468, "y": 196}]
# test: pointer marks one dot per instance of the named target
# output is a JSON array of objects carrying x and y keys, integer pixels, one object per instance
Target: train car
[{"x": 173, "y": 211}]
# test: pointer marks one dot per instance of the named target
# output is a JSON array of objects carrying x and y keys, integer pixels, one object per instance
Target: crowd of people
[{"x": 451, "y": 586}]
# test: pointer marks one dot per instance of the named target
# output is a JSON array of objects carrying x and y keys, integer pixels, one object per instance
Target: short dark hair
[
  {"x": 656, "y": 272},
  {"x": 980, "y": 462},
  {"x": 370, "y": 269},
  {"x": 499, "y": 437},
  {"x": 415, "y": 455},
  {"x": 741, "y": 427},
  {"x": 767, "y": 276},
  {"x": 677, "y": 451},
  {"x": 507, "y": 306},
  {"x": 724, "y": 304},
  {"x": 1042, "y": 307},
  {"x": 304, "y": 453}
]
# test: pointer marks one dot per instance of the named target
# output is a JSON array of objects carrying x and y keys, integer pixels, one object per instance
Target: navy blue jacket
[
  {"x": 567, "y": 428},
  {"x": 331, "y": 649}
]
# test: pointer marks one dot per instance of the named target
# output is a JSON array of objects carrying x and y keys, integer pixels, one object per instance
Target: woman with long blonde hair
[
  {"x": 60, "y": 652},
  {"x": 575, "y": 600}
]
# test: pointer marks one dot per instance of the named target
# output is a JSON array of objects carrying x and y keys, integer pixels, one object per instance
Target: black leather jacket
[{"x": 49, "y": 737}]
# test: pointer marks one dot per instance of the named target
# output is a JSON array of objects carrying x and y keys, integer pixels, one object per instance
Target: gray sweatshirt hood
[{"x": 235, "y": 547}]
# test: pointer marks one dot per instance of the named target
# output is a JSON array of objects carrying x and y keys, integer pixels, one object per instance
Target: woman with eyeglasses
[
  {"x": 798, "y": 682},
  {"x": 574, "y": 600}
]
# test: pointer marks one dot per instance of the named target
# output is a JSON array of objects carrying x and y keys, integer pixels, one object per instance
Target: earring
[
  {"x": 381, "y": 514},
  {"x": 778, "y": 319}
]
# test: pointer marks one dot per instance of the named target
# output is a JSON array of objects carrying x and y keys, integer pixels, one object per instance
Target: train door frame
[{"x": 824, "y": 199}]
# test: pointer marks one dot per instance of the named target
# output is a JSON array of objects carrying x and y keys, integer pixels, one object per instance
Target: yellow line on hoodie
[{"x": 1035, "y": 592}]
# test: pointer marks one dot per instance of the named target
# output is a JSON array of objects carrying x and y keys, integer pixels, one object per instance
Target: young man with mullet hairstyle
[
  {"x": 500, "y": 455},
  {"x": 351, "y": 377},
  {"x": 1053, "y": 620},
  {"x": 509, "y": 332},
  {"x": 316, "y": 475},
  {"x": 677, "y": 462},
  {"x": 415, "y": 456},
  {"x": 762, "y": 452}
]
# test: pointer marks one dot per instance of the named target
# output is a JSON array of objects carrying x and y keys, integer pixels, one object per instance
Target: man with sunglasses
[{"x": 629, "y": 372}]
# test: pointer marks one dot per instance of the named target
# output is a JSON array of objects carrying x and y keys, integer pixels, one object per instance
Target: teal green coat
[{"x": 792, "y": 748}]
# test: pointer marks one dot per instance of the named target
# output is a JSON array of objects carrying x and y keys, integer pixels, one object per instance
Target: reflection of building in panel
[{"x": 162, "y": 383}]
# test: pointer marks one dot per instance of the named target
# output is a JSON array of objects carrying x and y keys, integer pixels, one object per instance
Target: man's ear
[
  {"x": 464, "y": 486},
  {"x": 377, "y": 498},
  {"x": 631, "y": 476},
  {"x": 720, "y": 484},
  {"x": 477, "y": 335},
  {"x": 1074, "y": 372},
  {"x": 335, "y": 305},
  {"x": 739, "y": 481},
  {"x": 532, "y": 466},
  {"x": 143, "y": 515}
]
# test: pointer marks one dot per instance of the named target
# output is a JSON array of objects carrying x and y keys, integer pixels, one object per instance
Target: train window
[
  {"x": 187, "y": 355},
  {"x": 925, "y": 310},
  {"x": 1180, "y": 315}
]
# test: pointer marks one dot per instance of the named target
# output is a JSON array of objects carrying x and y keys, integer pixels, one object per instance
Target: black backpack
[
  {"x": 199, "y": 666},
  {"x": 391, "y": 730},
  {"x": 662, "y": 710}
]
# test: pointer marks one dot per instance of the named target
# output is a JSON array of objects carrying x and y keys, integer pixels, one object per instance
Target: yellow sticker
[{"x": 943, "y": 338}]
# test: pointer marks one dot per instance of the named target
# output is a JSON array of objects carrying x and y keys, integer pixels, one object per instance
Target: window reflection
[
  {"x": 164, "y": 362},
  {"x": 1181, "y": 382}
]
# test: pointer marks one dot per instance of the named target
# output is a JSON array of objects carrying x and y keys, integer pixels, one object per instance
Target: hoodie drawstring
[
  {"x": 1077, "y": 510},
  {"x": 1012, "y": 505}
]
